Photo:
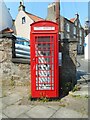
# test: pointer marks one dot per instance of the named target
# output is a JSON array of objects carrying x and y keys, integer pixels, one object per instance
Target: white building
[
  {"x": 5, "y": 17},
  {"x": 87, "y": 47},
  {"x": 22, "y": 22}
]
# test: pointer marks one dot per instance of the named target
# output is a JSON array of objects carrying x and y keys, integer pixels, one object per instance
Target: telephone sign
[
  {"x": 44, "y": 59},
  {"x": 44, "y": 28}
]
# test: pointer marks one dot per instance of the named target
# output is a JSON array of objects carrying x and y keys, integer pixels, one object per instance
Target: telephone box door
[{"x": 44, "y": 65}]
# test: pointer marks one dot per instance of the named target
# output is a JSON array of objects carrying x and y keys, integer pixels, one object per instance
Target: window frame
[
  {"x": 74, "y": 30},
  {"x": 75, "y": 23},
  {"x": 80, "y": 33},
  {"x": 80, "y": 41},
  {"x": 68, "y": 27},
  {"x": 23, "y": 20},
  {"x": 68, "y": 36}
]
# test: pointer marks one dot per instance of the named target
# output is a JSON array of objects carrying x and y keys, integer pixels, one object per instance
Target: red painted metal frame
[{"x": 44, "y": 33}]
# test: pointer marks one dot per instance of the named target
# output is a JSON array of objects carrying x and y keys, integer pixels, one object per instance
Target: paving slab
[
  {"x": 4, "y": 106},
  {"x": 11, "y": 99},
  {"x": 4, "y": 116},
  {"x": 0, "y": 91},
  {"x": 40, "y": 111},
  {"x": 54, "y": 107},
  {"x": 67, "y": 113},
  {"x": 23, "y": 116},
  {"x": 0, "y": 103},
  {"x": 0, "y": 116},
  {"x": 14, "y": 111},
  {"x": 81, "y": 107}
]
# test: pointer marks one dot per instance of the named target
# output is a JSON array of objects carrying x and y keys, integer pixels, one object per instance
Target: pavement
[
  {"x": 15, "y": 102},
  {"x": 67, "y": 107},
  {"x": 83, "y": 77}
]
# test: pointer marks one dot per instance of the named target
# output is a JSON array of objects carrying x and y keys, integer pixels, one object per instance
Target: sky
[{"x": 67, "y": 9}]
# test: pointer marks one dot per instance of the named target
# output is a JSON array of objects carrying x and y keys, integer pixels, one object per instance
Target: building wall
[
  {"x": 22, "y": 30},
  {"x": 80, "y": 37},
  {"x": 67, "y": 33},
  {"x": 51, "y": 15},
  {"x": 5, "y": 17}
]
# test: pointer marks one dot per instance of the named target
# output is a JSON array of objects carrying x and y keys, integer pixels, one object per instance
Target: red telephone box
[{"x": 44, "y": 59}]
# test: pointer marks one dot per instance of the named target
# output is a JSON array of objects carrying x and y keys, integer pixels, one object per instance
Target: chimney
[
  {"x": 21, "y": 7},
  {"x": 58, "y": 13},
  {"x": 77, "y": 15},
  {"x": 51, "y": 12}
]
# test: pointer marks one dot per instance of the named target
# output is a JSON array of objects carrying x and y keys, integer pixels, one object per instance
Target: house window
[
  {"x": 84, "y": 34},
  {"x": 74, "y": 36},
  {"x": 23, "y": 20},
  {"x": 75, "y": 23},
  {"x": 80, "y": 41},
  {"x": 74, "y": 30},
  {"x": 68, "y": 36},
  {"x": 68, "y": 27},
  {"x": 80, "y": 33}
]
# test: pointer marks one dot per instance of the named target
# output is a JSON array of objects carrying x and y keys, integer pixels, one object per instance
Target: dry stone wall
[
  {"x": 19, "y": 74},
  {"x": 12, "y": 73},
  {"x": 69, "y": 62}
]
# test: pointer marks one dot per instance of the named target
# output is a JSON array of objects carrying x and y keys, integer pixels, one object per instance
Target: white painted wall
[
  {"x": 87, "y": 47},
  {"x": 23, "y": 30},
  {"x": 5, "y": 16}
]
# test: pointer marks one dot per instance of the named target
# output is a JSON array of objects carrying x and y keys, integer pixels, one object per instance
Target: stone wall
[
  {"x": 12, "y": 73},
  {"x": 69, "y": 61},
  {"x": 19, "y": 74}
]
